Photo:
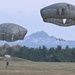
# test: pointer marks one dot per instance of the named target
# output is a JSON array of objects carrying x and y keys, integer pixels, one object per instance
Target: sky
[{"x": 26, "y": 13}]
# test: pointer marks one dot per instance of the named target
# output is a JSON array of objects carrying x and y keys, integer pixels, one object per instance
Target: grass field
[{"x": 37, "y": 68}]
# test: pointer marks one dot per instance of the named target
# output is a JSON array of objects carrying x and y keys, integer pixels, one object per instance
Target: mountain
[
  {"x": 38, "y": 39},
  {"x": 42, "y": 38}
]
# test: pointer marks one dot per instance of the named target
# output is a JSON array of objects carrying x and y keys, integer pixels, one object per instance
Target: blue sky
[{"x": 27, "y": 14}]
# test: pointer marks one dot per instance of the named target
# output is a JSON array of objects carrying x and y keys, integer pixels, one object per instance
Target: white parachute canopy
[{"x": 7, "y": 56}]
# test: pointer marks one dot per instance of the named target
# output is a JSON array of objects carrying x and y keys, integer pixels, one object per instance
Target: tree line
[{"x": 42, "y": 54}]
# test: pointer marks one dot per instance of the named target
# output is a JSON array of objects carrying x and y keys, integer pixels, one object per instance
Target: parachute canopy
[
  {"x": 12, "y": 32},
  {"x": 7, "y": 56},
  {"x": 62, "y": 14}
]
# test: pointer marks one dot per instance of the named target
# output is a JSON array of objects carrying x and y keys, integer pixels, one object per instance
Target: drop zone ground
[{"x": 37, "y": 68}]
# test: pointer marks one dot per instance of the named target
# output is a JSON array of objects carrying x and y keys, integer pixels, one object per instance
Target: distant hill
[{"x": 42, "y": 38}]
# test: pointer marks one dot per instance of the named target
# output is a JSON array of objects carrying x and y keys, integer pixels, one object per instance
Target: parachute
[
  {"x": 7, "y": 56},
  {"x": 61, "y": 14},
  {"x": 12, "y": 32}
]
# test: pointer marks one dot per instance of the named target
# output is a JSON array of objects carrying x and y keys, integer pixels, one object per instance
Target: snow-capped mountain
[{"x": 42, "y": 38}]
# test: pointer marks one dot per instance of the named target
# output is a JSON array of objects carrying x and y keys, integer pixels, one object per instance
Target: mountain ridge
[{"x": 42, "y": 38}]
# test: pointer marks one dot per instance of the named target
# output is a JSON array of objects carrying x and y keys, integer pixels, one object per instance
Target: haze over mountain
[{"x": 42, "y": 38}]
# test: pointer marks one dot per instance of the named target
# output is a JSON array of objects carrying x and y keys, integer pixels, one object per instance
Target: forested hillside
[{"x": 40, "y": 54}]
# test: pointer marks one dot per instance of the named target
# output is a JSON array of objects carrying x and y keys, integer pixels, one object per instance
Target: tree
[{"x": 59, "y": 53}]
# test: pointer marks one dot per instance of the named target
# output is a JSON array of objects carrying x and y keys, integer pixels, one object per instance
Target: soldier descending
[
  {"x": 7, "y": 63},
  {"x": 7, "y": 58}
]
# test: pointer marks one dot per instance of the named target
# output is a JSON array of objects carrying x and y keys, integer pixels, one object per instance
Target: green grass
[{"x": 37, "y": 68}]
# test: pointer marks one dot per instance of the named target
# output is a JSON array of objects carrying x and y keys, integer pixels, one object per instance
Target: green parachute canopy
[
  {"x": 12, "y": 32},
  {"x": 62, "y": 14}
]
